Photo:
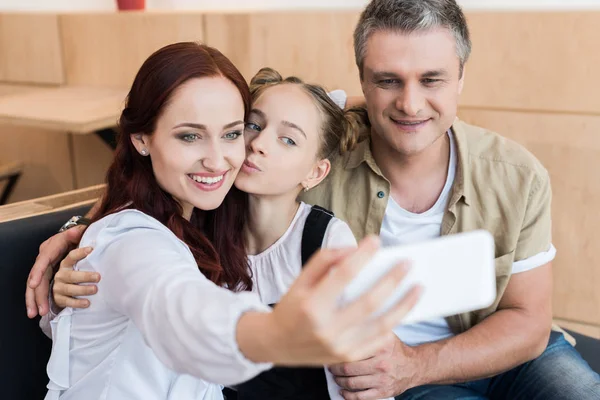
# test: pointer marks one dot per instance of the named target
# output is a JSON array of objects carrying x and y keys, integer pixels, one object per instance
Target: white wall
[{"x": 107, "y": 5}]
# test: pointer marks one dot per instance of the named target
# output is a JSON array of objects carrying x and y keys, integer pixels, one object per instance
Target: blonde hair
[{"x": 341, "y": 130}]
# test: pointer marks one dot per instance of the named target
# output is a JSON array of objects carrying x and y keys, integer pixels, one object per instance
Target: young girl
[{"x": 293, "y": 133}]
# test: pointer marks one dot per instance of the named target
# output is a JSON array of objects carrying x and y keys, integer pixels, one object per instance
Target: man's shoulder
[
  {"x": 490, "y": 149},
  {"x": 506, "y": 187}
]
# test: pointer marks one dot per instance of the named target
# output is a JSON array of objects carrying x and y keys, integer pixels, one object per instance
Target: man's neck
[
  {"x": 269, "y": 218},
  {"x": 417, "y": 180}
]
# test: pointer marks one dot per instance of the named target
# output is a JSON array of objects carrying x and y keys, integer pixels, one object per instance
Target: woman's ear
[
  {"x": 140, "y": 142},
  {"x": 319, "y": 172}
]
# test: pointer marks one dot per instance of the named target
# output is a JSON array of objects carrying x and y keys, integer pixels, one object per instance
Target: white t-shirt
[
  {"x": 401, "y": 227},
  {"x": 275, "y": 269},
  {"x": 157, "y": 328}
]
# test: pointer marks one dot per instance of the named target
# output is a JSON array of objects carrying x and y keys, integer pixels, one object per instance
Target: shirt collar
[
  {"x": 460, "y": 189},
  {"x": 362, "y": 154},
  {"x": 462, "y": 180}
]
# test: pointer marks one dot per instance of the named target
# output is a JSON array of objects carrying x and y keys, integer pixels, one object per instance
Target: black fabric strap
[
  {"x": 314, "y": 231},
  {"x": 281, "y": 383}
]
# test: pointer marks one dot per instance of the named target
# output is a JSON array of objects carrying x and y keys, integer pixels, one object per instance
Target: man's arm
[
  {"x": 344, "y": 101},
  {"x": 355, "y": 101},
  {"x": 52, "y": 251},
  {"x": 516, "y": 333},
  {"x": 94, "y": 209}
]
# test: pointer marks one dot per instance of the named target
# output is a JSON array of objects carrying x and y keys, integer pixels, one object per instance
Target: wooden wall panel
[
  {"x": 30, "y": 50},
  {"x": 569, "y": 147},
  {"x": 45, "y": 155},
  {"x": 108, "y": 49},
  {"x": 92, "y": 158},
  {"x": 46, "y": 159},
  {"x": 316, "y": 47},
  {"x": 534, "y": 61}
]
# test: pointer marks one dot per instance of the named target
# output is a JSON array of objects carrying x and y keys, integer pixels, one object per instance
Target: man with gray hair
[{"x": 422, "y": 173}]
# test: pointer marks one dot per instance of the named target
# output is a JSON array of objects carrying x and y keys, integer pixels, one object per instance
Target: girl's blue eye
[
  {"x": 253, "y": 127},
  {"x": 288, "y": 141}
]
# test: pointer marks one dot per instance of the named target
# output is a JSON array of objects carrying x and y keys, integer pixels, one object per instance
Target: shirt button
[{"x": 380, "y": 194}]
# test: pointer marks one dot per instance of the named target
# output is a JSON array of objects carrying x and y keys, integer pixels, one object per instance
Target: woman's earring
[
  {"x": 306, "y": 188},
  {"x": 144, "y": 152}
]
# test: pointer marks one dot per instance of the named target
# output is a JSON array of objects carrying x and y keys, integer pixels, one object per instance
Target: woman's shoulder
[
  {"x": 126, "y": 220},
  {"x": 129, "y": 224},
  {"x": 135, "y": 236}
]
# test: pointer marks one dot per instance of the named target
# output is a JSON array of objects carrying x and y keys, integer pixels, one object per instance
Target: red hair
[{"x": 215, "y": 237}]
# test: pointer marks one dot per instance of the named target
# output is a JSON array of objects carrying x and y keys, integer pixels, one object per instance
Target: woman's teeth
[{"x": 206, "y": 180}]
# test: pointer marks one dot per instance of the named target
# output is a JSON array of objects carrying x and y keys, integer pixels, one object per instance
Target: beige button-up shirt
[{"x": 499, "y": 187}]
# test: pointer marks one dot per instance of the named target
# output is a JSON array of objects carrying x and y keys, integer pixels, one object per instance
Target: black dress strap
[
  {"x": 282, "y": 383},
  {"x": 314, "y": 231}
]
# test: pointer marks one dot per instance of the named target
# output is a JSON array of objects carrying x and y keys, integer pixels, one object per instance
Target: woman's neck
[{"x": 269, "y": 217}]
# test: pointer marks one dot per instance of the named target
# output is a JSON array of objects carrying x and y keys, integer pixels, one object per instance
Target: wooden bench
[{"x": 54, "y": 203}]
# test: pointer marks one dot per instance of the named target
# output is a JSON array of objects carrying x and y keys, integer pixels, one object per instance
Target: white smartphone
[{"x": 456, "y": 272}]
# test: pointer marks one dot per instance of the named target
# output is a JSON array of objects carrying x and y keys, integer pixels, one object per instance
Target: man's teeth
[
  {"x": 409, "y": 123},
  {"x": 207, "y": 180}
]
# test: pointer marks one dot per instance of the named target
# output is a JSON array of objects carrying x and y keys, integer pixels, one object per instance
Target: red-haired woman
[{"x": 171, "y": 314}]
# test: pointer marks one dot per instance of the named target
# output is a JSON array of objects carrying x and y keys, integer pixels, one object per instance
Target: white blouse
[
  {"x": 275, "y": 269},
  {"x": 156, "y": 329}
]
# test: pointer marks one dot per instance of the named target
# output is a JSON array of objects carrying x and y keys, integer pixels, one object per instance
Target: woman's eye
[
  {"x": 288, "y": 141},
  {"x": 188, "y": 137},
  {"x": 233, "y": 135},
  {"x": 253, "y": 127}
]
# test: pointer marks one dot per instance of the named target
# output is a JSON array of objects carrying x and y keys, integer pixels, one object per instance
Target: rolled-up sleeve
[{"x": 536, "y": 231}]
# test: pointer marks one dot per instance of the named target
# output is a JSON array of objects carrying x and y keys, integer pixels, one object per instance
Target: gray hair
[{"x": 407, "y": 16}]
